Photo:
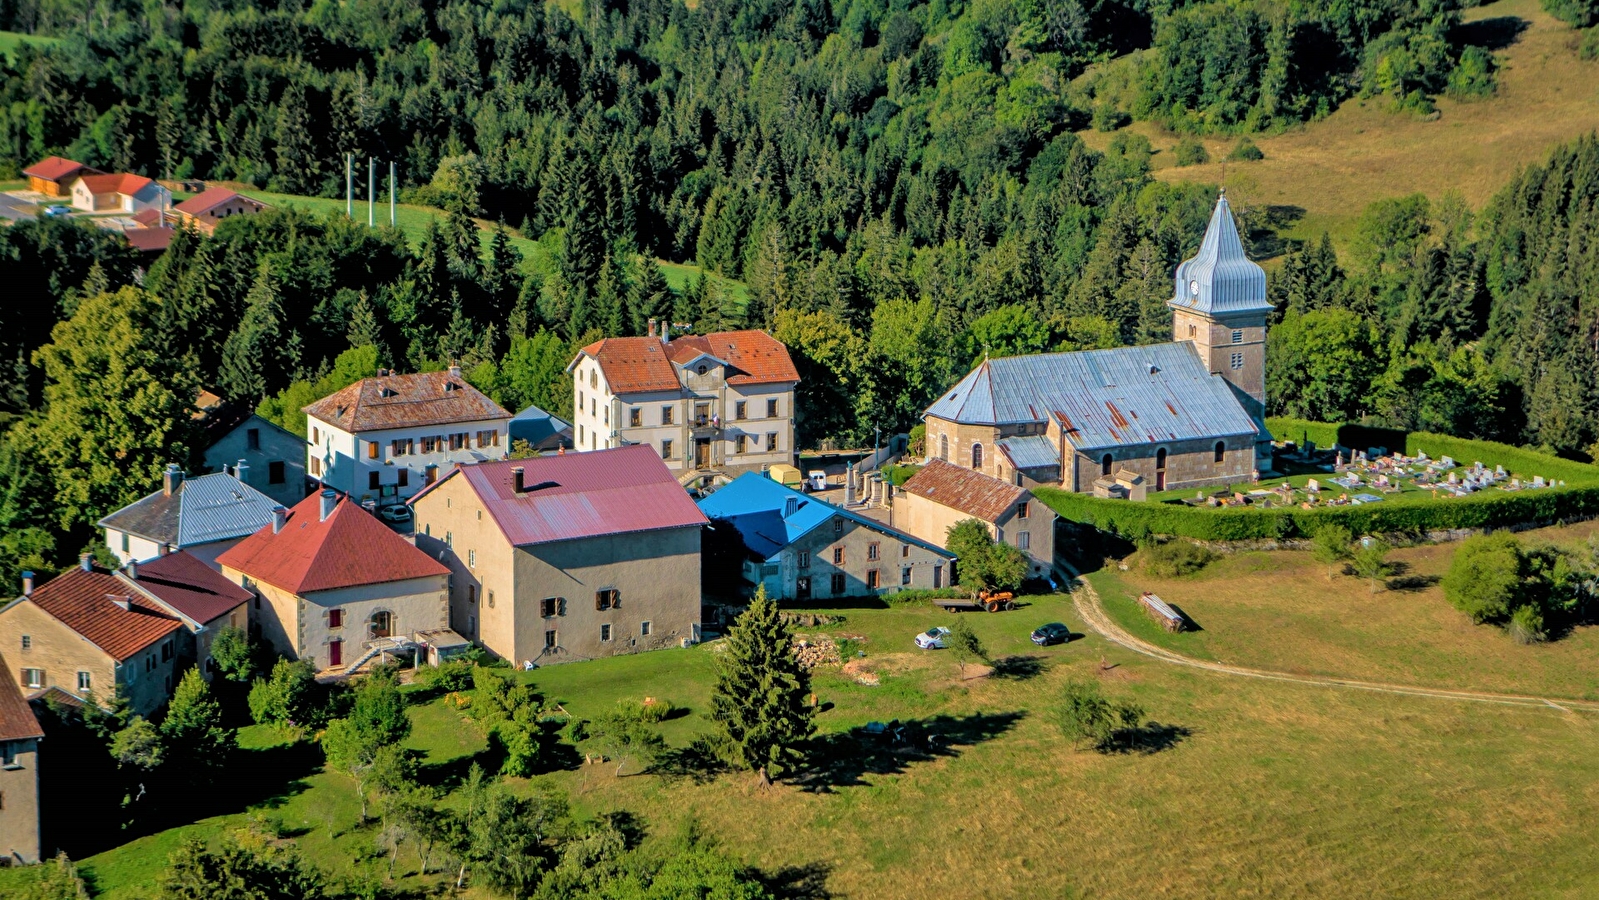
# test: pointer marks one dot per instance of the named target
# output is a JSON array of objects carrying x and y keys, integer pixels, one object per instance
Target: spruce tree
[
  {"x": 253, "y": 363},
  {"x": 365, "y": 331},
  {"x": 651, "y": 298},
  {"x": 761, "y": 692},
  {"x": 609, "y": 314}
]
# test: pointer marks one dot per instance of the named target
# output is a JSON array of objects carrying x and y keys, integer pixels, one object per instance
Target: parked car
[
  {"x": 399, "y": 513},
  {"x": 1053, "y": 633},
  {"x": 51, "y": 212},
  {"x": 932, "y": 639}
]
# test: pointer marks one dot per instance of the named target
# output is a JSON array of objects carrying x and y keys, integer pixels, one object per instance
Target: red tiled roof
[
  {"x": 121, "y": 183},
  {"x": 82, "y": 601},
  {"x": 17, "y": 722},
  {"x": 581, "y": 495},
  {"x": 209, "y": 199},
  {"x": 351, "y": 547},
  {"x": 149, "y": 240},
  {"x": 149, "y": 218},
  {"x": 55, "y": 168},
  {"x": 405, "y": 401},
  {"x": 635, "y": 365},
  {"x": 978, "y": 495},
  {"x": 190, "y": 586}
]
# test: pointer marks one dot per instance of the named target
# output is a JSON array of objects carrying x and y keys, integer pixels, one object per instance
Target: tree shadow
[
  {"x": 1018, "y": 668},
  {"x": 698, "y": 762},
  {"x": 807, "y": 882},
  {"x": 844, "y": 759},
  {"x": 1145, "y": 740},
  {"x": 1496, "y": 33},
  {"x": 1412, "y": 583}
]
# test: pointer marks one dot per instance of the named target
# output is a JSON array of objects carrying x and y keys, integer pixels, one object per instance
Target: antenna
[
  {"x": 391, "y": 193},
  {"x": 371, "y": 186},
  {"x": 349, "y": 186}
]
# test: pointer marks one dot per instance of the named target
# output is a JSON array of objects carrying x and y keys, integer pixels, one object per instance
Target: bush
[
  {"x": 1526, "y": 625},
  {"x": 1107, "y": 117},
  {"x": 1175, "y": 558},
  {"x": 1576, "y": 13},
  {"x": 922, "y": 596},
  {"x": 1086, "y": 719},
  {"x": 1245, "y": 151},
  {"x": 1485, "y": 576},
  {"x": 289, "y": 697},
  {"x": 1190, "y": 152},
  {"x": 451, "y": 676}
]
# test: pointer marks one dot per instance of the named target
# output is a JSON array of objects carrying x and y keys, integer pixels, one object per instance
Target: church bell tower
[{"x": 1220, "y": 305}]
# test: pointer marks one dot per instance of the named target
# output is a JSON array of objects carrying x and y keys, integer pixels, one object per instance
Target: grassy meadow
[
  {"x": 1246, "y": 788},
  {"x": 1332, "y": 168},
  {"x": 11, "y": 40}
]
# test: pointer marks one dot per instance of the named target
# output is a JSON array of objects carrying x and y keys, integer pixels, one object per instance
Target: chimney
[
  {"x": 517, "y": 473},
  {"x": 652, "y": 327},
  {"x": 166, "y": 549},
  {"x": 455, "y": 370},
  {"x": 170, "y": 479},
  {"x": 27, "y": 583},
  {"x": 86, "y": 562},
  {"x": 330, "y": 499},
  {"x": 280, "y": 517},
  {"x": 132, "y": 569},
  {"x": 242, "y": 471}
]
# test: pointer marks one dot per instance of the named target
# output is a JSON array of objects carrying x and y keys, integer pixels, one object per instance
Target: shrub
[
  {"x": 1369, "y": 559},
  {"x": 1332, "y": 546},
  {"x": 965, "y": 644},
  {"x": 1107, "y": 117},
  {"x": 1576, "y": 13},
  {"x": 288, "y": 697},
  {"x": 449, "y": 677},
  {"x": 1473, "y": 77},
  {"x": 1245, "y": 151},
  {"x": 1086, "y": 719},
  {"x": 1176, "y": 558},
  {"x": 1485, "y": 576},
  {"x": 1190, "y": 152},
  {"x": 1526, "y": 625}
]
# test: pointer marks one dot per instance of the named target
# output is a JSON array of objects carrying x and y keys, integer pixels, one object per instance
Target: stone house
[
  {"x": 803, "y": 548},
  {"x": 199, "y": 596},
  {"x": 332, "y": 584},
  {"x": 204, "y": 515},
  {"x": 92, "y": 632},
  {"x": 567, "y": 557},
  {"x": 943, "y": 494},
  {"x": 1182, "y": 414},
  {"x": 385, "y": 438},
  {"x": 239, "y": 441},
  {"x": 19, "y": 775},
  {"x": 720, "y": 401}
]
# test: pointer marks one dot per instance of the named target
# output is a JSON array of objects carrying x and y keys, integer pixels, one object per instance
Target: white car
[{"x": 932, "y": 639}]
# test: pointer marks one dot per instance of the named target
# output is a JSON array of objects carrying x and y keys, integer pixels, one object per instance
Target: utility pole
[
  {"x": 349, "y": 186},
  {"x": 371, "y": 188},
  {"x": 391, "y": 194}
]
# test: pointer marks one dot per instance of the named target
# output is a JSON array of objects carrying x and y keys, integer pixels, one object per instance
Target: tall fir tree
[
  {"x": 650, "y": 297},
  {"x": 761, "y": 698},
  {"x": 365, "y": 329},
  {"x": 610, "y": 314},
  {"x": 253, "y": 363}
]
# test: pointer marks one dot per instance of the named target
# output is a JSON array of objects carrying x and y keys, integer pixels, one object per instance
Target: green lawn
[
  {"x": 11, "y": 40},
  {"x": 1264, "y": 789}
]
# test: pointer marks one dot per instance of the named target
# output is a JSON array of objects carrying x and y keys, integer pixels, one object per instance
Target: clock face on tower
[{"x": 1193, "y": 288}]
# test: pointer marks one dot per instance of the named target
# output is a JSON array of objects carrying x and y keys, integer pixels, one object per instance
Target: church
[{"x": 1186, "y": 414}]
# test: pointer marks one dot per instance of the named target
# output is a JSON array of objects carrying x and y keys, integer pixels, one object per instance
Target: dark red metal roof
[{"x": 190, "y": 586}]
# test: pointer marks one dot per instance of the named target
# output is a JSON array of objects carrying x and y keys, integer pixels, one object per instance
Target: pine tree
[
  {"x": 253, "y": 363},
  {"x": 365, "y": 330},
  {"x": 500, "y": 274},
  {"x": 609, "y": 314},
  {"x": 296, "y": 157},
  {"x": 761, "y": 695},
  {"x": 651, "y": 297}
]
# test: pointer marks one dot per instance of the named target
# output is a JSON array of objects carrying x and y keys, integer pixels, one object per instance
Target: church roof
[
  {"x": 1102, "y": 398},
  {"x": 1220, "y": 280}
]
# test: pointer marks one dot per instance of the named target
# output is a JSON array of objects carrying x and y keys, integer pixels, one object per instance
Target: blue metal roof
[
  {"x": 762, "y": 511},
  {"x": 536, "y": 426},
  {"x": 1220, "y": 280},
  {"x": 1030, "y": 452},
  {"x": 1102, "y": 398}
]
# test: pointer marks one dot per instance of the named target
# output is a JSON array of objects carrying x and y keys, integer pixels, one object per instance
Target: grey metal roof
[
  {"x": 1102, "y": 398},
  {"x": 1220, "y": 280},
  {"x": 205, "y": 508},
  {"x": 536, "y": 426},
  {"x": 1030, "y": 452}
]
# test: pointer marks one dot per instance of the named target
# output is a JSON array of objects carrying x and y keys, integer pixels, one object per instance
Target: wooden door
[
  {"x": 702, "y": 454},
  {"x": 335, "y": 653}
]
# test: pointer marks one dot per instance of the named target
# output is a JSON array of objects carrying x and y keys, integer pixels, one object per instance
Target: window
[
  {"x": 838, "y": 583},
  {"x": 1192, "y": 329},
  {"x": 1238, "y": 360},
  {"x": 738, "y": 410},
  {"x": 771, "y": 409},
  {"x": 1221, "y": 451},
  {"x": 471, "y": 559},
  {"x": 802, "y": 587},
  {"x": 873, "y": 551},
  {"x": 125, "y": 543},
  {"x": 635, "y": 417},
  {"x": 738, "y": 445},
  {"x": 905, "y": 575},
  {"x": 372, "y": 449},
  {"x": 8, "y": 758},
  {"x": 771, "y": 440},
  {"x": 580, "y": 432},
  {"x": 27, "y": 642},
  {"x": 838, "y": 527},
  {"x": 491, "y": 599},
  {"x": 943, "y": 447},
  {"x": 166, "y": 651},
  {"x": 550, "y": 607},
  {"x": 490, "y": 438},
  {"x": 977, "y": 456},
  {"x": 33, "y": 678},
  {"x": 316, "y": 466},
  {"x": 316, "y": 435},
  {"x": 430, "y": 444},
  {"x": 904, "y": 551},
  {"x": 471, "y": 593},
  {"x": 335, "y": 618},
  {"x": 1238, "y": 337},
  {"x": 644, "y": 629},
  {"x": 605, "y": 632},
  {"x": 252, "y": 439},
  {"x": 276, "y": 473},
  {"x": 609, "y": 598},
  {"x": 449, "y": 539},
  {"x": 666, "y": 415},
  {"x": 607, "y": 415},
  {"x": 372, "y": 480},
  {"x": 702, "y": 369},
  {"x": 594, "y": 378},
  {"x": 1021, "y": 510},
  {"x": 399, "y": 446},
  {"x": 84, "y": 682},
  {"x": 579, "y": 401},
  {"x": 1024, "y": 540},
  {"x": 549, "y": 640},
  {"x": 873, "y": 579},
  {"x": 1104, "y": 465},
  {"x": 405, "y": 477},
  {"x": 838, "y": 556},
  {"x": 804, "y": 562},
  {"x": 458, "y": 441},
  {"x": 666, "y": 449}
]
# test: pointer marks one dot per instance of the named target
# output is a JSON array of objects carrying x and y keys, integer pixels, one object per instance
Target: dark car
[{"x": 1053, "y": 633}]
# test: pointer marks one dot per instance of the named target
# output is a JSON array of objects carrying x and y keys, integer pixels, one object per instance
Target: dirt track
[{"x": 1086, "y": 600}]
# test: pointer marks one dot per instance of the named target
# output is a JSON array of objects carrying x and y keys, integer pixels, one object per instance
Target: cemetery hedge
[{"x": 1578, "y": 499}]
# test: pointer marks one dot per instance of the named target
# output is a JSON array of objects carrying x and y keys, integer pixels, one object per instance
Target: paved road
[
  {"x": 1086, "y": 600},
  {"x": 14, "y": 209}
]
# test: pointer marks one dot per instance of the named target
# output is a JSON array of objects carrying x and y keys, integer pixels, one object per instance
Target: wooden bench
[{"x": 1159, "y": 610}]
